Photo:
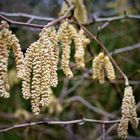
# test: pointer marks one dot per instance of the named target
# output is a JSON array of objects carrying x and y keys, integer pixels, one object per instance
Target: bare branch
[
  {"x": 27, "y": 16},
  {"x": 112, "y": 19},
  {"x": 79, "y": 121},
  {"x": 49, "y": 19},
  {"x": 126, "y": 49},
  {"x": 52, "y": 23}
]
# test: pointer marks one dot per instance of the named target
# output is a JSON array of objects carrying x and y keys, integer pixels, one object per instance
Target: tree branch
[
  {"x": 50, "y": 19},
  {"x": 112, "y": 19},
  {"x": 79, "y": 121},
  {"x": 126, "y": 49},
  {"x": 52, "y": 23},
  {"x": 26, "y": 16}
]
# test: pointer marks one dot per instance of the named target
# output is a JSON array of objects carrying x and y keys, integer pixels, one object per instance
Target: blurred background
[{"x": 80, "y": 96}]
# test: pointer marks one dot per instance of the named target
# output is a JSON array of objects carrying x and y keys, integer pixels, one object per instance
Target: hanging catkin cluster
[
  {"x": 100, "y": 65},
  {"x": 65, "y": 35},
  {"x": 8, "y": 41},
  {"x": 40, "y": 73},
  {"x": 128, "y": 113}
]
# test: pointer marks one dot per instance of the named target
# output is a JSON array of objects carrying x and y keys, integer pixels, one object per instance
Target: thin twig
[
  {"x": 90, "y": 106},
  {"x": 112, "y": 127},
  {"x": 112, "y": 19},
  {"x": 94, "y": 20},
  {"x": 125, "y": 16},
  {"x": 126, "y": 49},
  {"x": 79, "y": 121},
  {"x": 68, "y": 91},
  {"x": 13, "y": 22},
  {"x": 27, "y": 16},
  {"x": 103, "y": 135}
]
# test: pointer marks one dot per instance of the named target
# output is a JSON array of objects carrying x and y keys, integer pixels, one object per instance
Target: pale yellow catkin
[
  {"x": 85, "y": 41},
  {"x": 50, "y": 33},
  {"x": 18, "y": 57},
  {"x": 46, "y": 81},
  {"x": 79, "y": 48},
  {"x": 29, "y": 55},
  {"x": 4, "y": 86},
  {"x": 100, "y": 68},
  {"x": 36, "y": 81},
  {"x": 80, "y": 12},
  {"x": 48, "y": 64},
  {"x": 133, "y": 114},
  {"x": 37, "y": 59},
  {"x": 125, "y": 109},
  {"x": 41, "y": 60},
  {"x": 100, "y": 64},
  {"x": 109, "y": 68},
  {"x": 123, "y": 128},
  {"x": 128, "y": 113},
  {"x": 13, "y": 42},
  {"x": 64, "y": 37},
  {"x": 94, "y": 67}
]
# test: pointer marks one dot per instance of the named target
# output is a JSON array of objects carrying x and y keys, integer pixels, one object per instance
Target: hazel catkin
[
  {"x": 100, "y": 65},
  {"x": 29, "y": 55},
  {"x": 66, "y": 34},
  {"x": 11, "y": 41},
  {"x": 133, "y": 114},
  {"x": 125, "y": 109},
  {"x": 79, "y": 48},
  {"x": 85, "y": 41},
  {"x": 36, "y": 81},
  {"x": 98, "y": 68},
  {"x": 7, "y": 41},
  {"x": 41, "y": 69},
  {"x": 47, "y": 48},
  {"x": 64, "y": 37},
  {"x": 50, "y": 33},
  {"x": 128, "y": 110},
  {"x": 94, "y": 68},
  {"x": 4, "y": 86},
  {"x": 109, "y": 68}
]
